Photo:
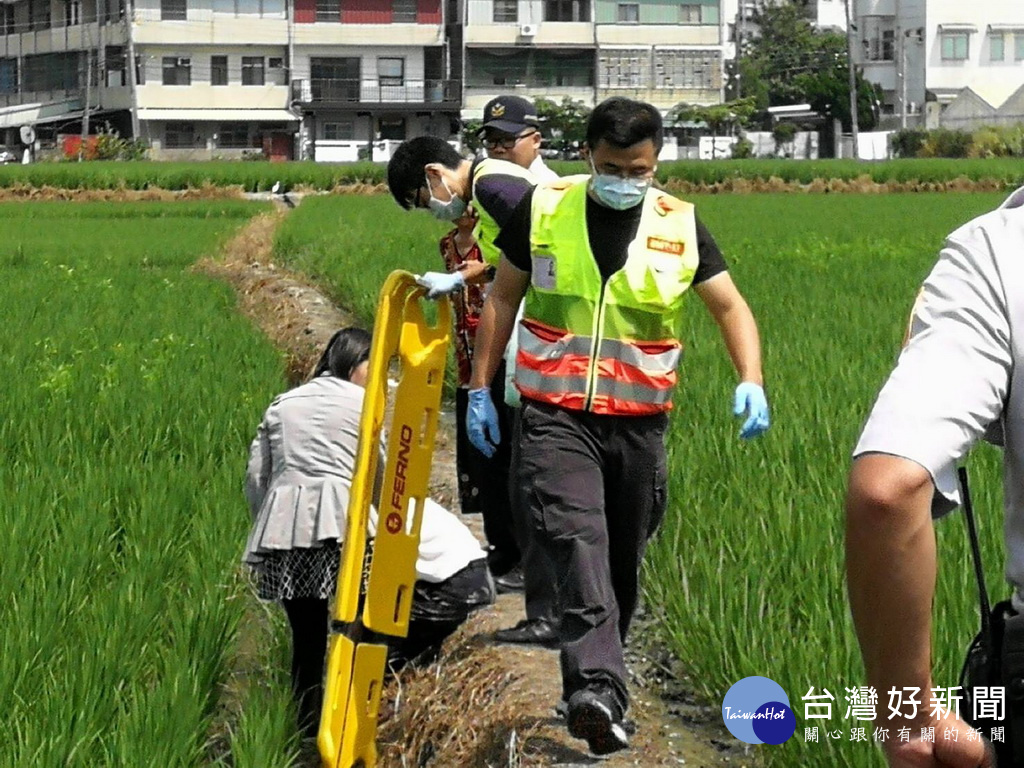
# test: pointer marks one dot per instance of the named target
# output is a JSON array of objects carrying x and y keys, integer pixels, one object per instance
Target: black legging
[
  {"x": 437, "y": 611},
  {"x": 308, "y": 617}
]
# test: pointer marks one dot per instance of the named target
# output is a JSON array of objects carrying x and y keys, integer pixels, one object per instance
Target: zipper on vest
[{"x": 595, "y": 347}]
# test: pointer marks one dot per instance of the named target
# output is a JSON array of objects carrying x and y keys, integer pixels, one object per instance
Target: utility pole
[
  {"x": 904, "y": 39},
  {"x": 88, "y": 99},
  {"x": 740, "y": 24},
  {"x": 133, "y": 85},
  {"x": 853, "y": 77}
]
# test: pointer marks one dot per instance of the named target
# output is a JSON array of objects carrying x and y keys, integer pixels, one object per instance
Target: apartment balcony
[
  {"x": 333, "y": 33},
  {"x": 477, "y": 96},
  {"x": 664, "y": 97},
  {"x": 148, "y": 29},
  {"x": 73, "y": 97},
  {"x": 332, "y": 92},
  {"x": 59, "y": 37},
  {"x": 545, "y": 34}
]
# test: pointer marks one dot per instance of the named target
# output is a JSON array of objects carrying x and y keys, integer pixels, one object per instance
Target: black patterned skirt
[{"x": 288, "y": 574}]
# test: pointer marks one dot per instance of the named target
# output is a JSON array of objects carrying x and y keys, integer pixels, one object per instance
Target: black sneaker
[{"x": 591, "y": 717}]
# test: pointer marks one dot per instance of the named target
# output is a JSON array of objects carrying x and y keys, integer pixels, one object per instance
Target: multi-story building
[
  {"x": 659, "y": 51},
  {"x": 47, "y": 48},
  {"x": 370, "y": 72},
  {"x": 212, "y": 77},
  {"x": 337, "y": 79},
  {"x": 943, "y": 62}
]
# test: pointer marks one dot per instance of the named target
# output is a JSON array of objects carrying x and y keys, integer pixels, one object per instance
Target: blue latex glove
[
  {"x": 482, "y": 421},
  {"x": 750, "y": 399},
  {"x": 440, "y": 284}
]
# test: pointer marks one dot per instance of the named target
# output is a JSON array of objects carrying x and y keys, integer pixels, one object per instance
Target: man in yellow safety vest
[{"x": 604, "y": 262}]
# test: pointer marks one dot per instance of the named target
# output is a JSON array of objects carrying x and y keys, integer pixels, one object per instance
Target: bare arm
[
  {"x": 890, "y": 570},
  {"x": 736, "y": 324},
  {"x": 496, "y": 322}
]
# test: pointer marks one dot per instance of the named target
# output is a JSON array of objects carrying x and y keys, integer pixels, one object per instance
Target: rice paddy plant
[
  {"x": 748, "y": 568},
  {"x": 254, "y": 176},
  {"x": 131, "y": 390}
]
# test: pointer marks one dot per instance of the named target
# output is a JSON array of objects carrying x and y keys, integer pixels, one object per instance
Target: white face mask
[
  {"x": 616, "y": 192},
  {"x": 445, "y": 210}
]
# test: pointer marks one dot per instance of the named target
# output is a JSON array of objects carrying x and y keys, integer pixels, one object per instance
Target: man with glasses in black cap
[
  {"x": 511, "y": 131},
  {"x": 427, "y": 172}
]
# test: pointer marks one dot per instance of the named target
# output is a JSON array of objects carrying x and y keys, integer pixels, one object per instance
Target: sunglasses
[{"x": 504, "y": 142}]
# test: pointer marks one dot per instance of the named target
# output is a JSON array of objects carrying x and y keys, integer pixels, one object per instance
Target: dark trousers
[
  {"x": 539, "y": 576},
  {"x": 484, "y": 482},
  {"x": 596, "y": 487},
  {"x": 438, "y": 609}
]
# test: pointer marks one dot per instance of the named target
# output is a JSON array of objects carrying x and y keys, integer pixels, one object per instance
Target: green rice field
[{"x": 132, "y": 389}]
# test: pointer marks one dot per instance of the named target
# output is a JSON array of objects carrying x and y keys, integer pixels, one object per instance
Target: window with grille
[
  {"x": 566, "y": 10},
  {"x": 233, "y": 135},
  {"x": 689, "y": 14},
  {"x": 218, "y": 70},
  {"x": 177, "y": 70},
  {"x": 252, "y": 70},
  {"x": 955, "y": 46},
  {"x": 506, "y": 11},
  {"x": 173, "y": 10},
  {"x": 629, "y": 13},
  {"x": 328, "y": 10},
  {"x": 391, "y": 70},
  {"x": 997, "y": 48},
  {"x": 685, "y": 69},
  {"x": 7, "y": 18},
  {"x": 403, "y": 11},
  {"x": 340, "y": 131},
  {"x": 8, "y": 75},
  {"x": 625, "y": 69},
  {"x": 180, "y": 135},
  {"x": 39, "y": 14}
]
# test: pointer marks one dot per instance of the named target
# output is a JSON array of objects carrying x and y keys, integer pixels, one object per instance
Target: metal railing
[{"x": 352, "y": 91}]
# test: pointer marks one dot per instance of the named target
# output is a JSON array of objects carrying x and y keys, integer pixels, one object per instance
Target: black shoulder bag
[{"x": 995, "y": 658}]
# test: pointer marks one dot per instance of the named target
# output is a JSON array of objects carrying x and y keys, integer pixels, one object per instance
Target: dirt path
[{"x": 481, "y": 704}]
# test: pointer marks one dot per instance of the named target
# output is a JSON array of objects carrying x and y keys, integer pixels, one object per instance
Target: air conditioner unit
[
  {"x": 183, "y": 62},
  {"x": 528, "y": 30}
]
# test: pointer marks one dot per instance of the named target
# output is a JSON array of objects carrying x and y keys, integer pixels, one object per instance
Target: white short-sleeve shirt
[{"x": 955, "y": 381}]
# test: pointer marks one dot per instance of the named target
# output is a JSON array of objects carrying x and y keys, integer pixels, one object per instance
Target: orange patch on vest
[{"x": 674, "y": 247}]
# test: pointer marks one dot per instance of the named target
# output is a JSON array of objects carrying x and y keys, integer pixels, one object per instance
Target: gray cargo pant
[
  {"x": 539, "y": 575},
  {"x": 596, "y": 491}
]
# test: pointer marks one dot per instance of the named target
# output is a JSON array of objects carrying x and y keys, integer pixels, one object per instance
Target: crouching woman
[{"x": 301, "y": 467}]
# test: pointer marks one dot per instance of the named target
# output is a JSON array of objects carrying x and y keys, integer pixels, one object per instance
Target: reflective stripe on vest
[
  {"x": 486, "y": 230},
  {"x": 608, "y": 347}
]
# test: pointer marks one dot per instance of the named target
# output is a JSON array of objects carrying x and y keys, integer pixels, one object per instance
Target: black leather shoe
[
  {"x": 509, "y": 582},
  {"x": 529, "y": 631}
]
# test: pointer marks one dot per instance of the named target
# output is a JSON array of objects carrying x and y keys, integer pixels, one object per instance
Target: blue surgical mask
[
  {"x": 616, "y": 192},
  {"x": 445, "y": 210}
]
